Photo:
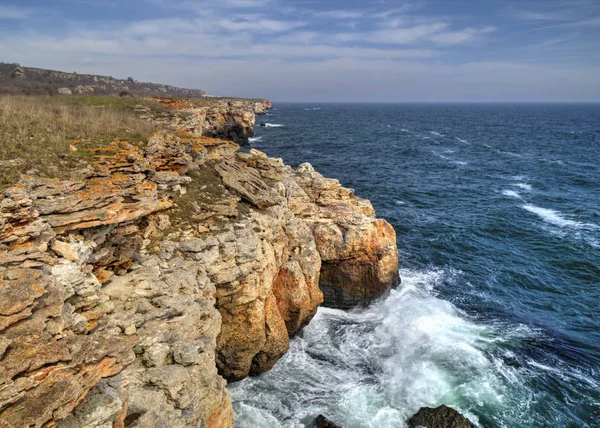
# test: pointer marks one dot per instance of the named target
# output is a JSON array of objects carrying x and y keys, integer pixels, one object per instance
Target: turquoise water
[{"x": 497, "y": 213}]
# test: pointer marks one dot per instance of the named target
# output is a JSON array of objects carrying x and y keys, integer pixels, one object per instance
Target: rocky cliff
[
  {"x": 228, "y": 118},
  {"x": 128, "y": 298}
]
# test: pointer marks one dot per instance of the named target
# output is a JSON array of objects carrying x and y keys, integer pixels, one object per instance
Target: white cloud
[
  {"x": 406, "y": 35},
  {"x": 342, "y": 14},
  {"x": 462, "y": 36},
  {"x": 540, "y": 16},
  {"x": 260, "y": 25}
]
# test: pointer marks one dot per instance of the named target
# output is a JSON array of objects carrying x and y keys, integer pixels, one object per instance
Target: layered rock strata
[
  {"x": 228, "y": 118},
  {"x": 127, "y": 298}
]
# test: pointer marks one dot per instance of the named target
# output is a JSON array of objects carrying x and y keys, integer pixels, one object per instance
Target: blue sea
[{"x": 497, "y": 212}]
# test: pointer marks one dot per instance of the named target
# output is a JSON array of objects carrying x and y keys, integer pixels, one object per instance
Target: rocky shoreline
[{"x": 127, "y": 298}]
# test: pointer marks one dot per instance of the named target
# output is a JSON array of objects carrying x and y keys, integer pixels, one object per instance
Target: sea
[{"x": 497, "y": 213}]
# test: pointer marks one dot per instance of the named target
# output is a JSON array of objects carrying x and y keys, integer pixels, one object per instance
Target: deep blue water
[{"x": 497, "y": 212}]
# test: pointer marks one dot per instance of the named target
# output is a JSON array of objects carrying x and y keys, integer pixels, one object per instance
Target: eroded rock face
[
  {"x": 261, "y": 107},
  {"x": 358, "y": 251},
  {"x": 231, "y": 119},
  {"x": 128, "y": 297}
]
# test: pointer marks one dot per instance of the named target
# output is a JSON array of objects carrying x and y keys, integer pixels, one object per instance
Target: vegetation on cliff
[{"x": 41, "y": 134}]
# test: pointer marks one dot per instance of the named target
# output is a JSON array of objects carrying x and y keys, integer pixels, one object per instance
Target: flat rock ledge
[{"x": 129, "y": 298}]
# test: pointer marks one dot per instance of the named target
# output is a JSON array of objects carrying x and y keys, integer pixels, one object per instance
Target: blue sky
[{"x": 308, "y": 50}]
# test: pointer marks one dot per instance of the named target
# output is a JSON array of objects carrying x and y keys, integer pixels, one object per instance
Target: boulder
[
  {"x": 440, "y": 417},
  {"x": 322, "y": 422},
  {"x": 64, "y": 91}
]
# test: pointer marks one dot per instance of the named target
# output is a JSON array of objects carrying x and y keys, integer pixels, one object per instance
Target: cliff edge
[{"x": 129, "y": 297}]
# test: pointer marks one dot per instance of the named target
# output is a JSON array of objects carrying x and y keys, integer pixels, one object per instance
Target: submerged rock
[
  {"x": 440, "y": 417},
  {"x": 322, "y": 422}
]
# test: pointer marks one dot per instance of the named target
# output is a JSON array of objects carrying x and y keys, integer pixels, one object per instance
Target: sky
[{"x": 331, "y": 50}]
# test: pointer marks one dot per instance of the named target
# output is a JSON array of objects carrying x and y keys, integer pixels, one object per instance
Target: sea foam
[
  {"x": 273, "y": 125},
  {"x": 523, "y": 186},
  {"x": 511, "y": 193},
  {"x": 557, "y": 219},
  {"x": 377, "y": 366}
]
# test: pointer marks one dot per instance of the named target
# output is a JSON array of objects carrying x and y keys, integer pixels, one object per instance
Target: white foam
[
  {"x": 517, "y": 155},
  {"x": 313, "y": 109},
  {"x": 523, "y": 186},
  {"x": 511, "y": 193},
  {"x": 254, "y": 139},
  {"x": 557, "y": 219},
  {"x": 462, "y": 141},
  {"x": 376, "y": 367},
  {"x": 455, "y": 162},
  {"x": 436, "y": 133},
  {"x": 553, "y": 161},
  {"x": 404, "y": 130},
  {"x": 273, "y": 125}
]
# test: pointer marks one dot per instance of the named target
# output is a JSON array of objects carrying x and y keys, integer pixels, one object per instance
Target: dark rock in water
[
  {"x": 263, "y": 124},
  {"x": 440, "y": 417},
  {"x": 323, "y": 422}
]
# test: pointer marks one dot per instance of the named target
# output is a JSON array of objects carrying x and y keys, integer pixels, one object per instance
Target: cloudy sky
[{"x": 311, "y": 50}]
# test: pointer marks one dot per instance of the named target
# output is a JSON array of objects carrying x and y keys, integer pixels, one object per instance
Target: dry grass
[{"x": 36, "y": 132}]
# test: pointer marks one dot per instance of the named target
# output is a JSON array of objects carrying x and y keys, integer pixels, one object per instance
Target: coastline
[{"x": 130, "y": 285}]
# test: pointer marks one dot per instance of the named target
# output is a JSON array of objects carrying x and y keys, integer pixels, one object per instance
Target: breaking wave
[{"x": 376, "y": 367}]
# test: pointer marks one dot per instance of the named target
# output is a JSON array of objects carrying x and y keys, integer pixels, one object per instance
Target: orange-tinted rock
[{"x": 90, "y": 272}]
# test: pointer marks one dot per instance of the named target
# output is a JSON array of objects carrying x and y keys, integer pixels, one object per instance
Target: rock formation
[
  {"x": 322, "y": 422},
  {"x": 261, "y": 106},
  {"x": 126, "y": 298},
  {"x": 440, "y": 417},
  {"x": 231, "y": 119}
]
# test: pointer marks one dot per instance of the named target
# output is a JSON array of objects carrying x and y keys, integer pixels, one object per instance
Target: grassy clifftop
[{"x": 42, "y": 133}]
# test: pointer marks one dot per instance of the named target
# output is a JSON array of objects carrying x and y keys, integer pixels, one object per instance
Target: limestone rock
[
  {"x": 115, "y": 312},
  {"x": 230, "y": 119},
  {"x": 248, "y": 184}
]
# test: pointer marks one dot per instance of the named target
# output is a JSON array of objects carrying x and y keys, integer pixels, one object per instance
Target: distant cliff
[{"x": 15, "y": 79}]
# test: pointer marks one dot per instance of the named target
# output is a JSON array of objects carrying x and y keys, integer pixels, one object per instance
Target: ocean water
[{"x": 497, "y": 212}]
